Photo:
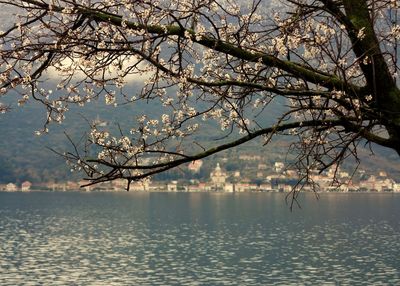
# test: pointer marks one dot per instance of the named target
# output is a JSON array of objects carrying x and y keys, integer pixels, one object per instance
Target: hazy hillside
[{"x": 24, "y": 155}]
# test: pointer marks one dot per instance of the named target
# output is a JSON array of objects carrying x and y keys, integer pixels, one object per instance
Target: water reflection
[{"x": 197, "y": 239}]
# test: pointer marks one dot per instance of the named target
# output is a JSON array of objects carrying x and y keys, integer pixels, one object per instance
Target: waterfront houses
[
  {"x": 11, "y": 187},
  {"x": 277, "y": 178},
  {"x": 26, "y": 186},
  {"x": 283, "y": 180}
]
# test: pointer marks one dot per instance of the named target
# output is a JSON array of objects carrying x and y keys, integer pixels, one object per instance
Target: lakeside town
[{"x": 279, "y": 179}]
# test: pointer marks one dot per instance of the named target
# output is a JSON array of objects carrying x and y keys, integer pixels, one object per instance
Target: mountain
[{"x": 25, "y": 156}]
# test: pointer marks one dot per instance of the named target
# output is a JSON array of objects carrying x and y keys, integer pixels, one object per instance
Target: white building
[
  {"x": 229, "y": 188},
  {"x": 10, "y": 187},
  {"x": 172, "y": 186},
  {"x": 218, "y": 177},
  {"x": 26, "y": 186},
  {"x": 195, "y": 166},
  {"x": 266, "y": 186},
  {"x": 278, "y": 167}
]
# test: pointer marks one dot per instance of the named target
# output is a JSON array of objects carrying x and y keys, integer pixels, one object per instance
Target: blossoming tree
[{"x": 333, "y": 64}]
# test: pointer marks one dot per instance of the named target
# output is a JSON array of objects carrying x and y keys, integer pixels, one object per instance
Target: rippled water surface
[{"x": 198, "y": 239}]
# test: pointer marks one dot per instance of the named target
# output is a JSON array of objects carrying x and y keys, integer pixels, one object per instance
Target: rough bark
[{"x": 380, "y": 82}]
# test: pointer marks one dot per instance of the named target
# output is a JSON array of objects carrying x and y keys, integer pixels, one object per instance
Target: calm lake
[{"x": 198, "y": 239}]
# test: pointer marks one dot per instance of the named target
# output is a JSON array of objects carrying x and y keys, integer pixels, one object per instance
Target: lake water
[{"x": 198, "y": 239}]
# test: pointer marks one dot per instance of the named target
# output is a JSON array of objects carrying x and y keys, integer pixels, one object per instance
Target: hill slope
[{"x": 24, "y": 156}]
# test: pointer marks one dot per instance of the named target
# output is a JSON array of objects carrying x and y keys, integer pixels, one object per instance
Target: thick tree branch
[{"x": 311, "y": 75}]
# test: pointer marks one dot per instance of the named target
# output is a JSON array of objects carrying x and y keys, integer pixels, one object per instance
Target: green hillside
[{"x": 25, "y": 156}]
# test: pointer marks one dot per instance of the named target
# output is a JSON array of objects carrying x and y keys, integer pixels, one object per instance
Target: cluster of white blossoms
[
  {"x": 99, "y": 136},
  {"x": 195, "y": 60},
  {"x": 395, "y": 32}
]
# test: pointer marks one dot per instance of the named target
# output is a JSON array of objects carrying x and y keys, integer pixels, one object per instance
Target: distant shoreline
[{"x": 194, "y": 192}]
